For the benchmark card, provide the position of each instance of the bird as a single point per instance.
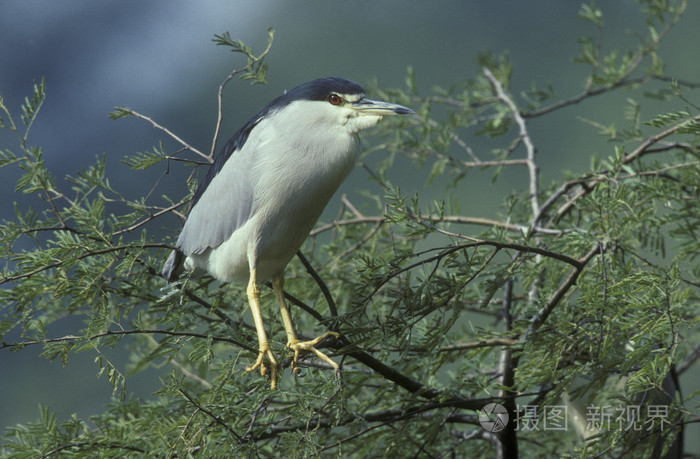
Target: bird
(265, 191)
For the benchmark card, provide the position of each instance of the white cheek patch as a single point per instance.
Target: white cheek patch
(358, 123)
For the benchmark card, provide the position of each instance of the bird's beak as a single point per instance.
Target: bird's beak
(379, 108)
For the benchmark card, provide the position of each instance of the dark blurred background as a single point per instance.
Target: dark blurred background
(157, 58)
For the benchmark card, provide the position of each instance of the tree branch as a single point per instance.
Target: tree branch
(69, 338)
(547, 309)
(168, 132)
(90, 253)
(456, 219)
(216, 418)
(527, 141)
(591, 182)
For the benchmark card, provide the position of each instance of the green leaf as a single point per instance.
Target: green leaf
(120, 112)
(31, 106)
(144, 160)
(592, 14)
(668, 119)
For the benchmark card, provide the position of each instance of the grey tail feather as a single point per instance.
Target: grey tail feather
(173, 266)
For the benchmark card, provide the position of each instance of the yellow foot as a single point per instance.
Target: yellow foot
(265, 351)
(310, 346)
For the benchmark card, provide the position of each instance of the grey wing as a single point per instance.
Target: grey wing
(221, 204)
(224, 206)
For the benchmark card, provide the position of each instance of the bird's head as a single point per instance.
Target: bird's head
(332, 103)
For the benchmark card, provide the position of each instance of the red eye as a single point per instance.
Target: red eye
(334, 99)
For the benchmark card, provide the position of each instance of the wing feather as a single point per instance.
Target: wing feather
(223, 206)
(221, 203)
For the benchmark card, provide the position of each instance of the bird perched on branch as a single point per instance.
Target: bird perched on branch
(265, 191)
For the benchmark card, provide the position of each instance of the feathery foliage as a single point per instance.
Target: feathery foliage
(575, 308)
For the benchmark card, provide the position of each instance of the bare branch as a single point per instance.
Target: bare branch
(169, 133)
(689, 360)
(478, 344)
(547, 309)
(151, 217)
(624, 80)
(90, 253)
(219, 115)
(321, 284)
(182, 433)
(590, 183)
(457, 219)
(216, 418)
(502, 245)
(471, 164)
(587, 93)
(527, 141)
(69, 338)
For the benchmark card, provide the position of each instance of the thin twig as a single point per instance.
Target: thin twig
(527, 141)
(590, 184)
(475, 242)
(623, 80)
(585, 94)
(547, 309)
(321, 284)
(219, 116)
(90, 253)
(689, 360)
(169, 132)
(252, 60)
(216, 418)
(68, 338)
(350, 250)
(248, 435)
(152, 216)
(93, 444)
(491, 342)
(456, 219)
(182, 433)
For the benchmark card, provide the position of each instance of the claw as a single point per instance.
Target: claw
(310, 346)
(293, 342)
(265, 351)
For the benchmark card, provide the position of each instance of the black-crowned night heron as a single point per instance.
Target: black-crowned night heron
(267, 188)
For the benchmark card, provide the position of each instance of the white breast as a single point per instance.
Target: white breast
(293, 177)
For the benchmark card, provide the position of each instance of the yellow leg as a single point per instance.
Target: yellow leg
(292, 342)
(253, 293)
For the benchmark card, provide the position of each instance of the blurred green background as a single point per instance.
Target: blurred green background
(157, 58)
